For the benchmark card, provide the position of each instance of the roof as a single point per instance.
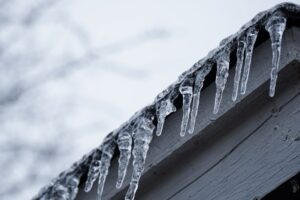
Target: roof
(236, 50)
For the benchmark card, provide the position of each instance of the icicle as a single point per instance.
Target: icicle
(65, 188)
(221, 77)
(44, 192)
(142, 138)
(200, 77)
(108, 149)
(240, 52)
(186, 89)
(73, 182)
(250, 41)
(94, 170)
(275, 26)
(59, 191)
(164, 108)
(124, 144)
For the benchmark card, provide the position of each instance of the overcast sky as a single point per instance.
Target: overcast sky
(95, 63)
(168, 37)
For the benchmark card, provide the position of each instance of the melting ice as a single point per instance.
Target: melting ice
(142, 138)
(186, 89)
(250, 41)
(200, 77)
(108, 149)
(135, 136)
(240, 52)
(221, 77)
(94, 170)
(124, 144)
(164, 108)
(275, 26)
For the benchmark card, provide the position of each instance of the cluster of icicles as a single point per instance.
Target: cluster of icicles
(133, 137)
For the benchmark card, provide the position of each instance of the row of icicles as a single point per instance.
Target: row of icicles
(138, 132)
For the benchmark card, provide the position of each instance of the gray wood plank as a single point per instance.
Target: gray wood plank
(265, 158)
(202, 155)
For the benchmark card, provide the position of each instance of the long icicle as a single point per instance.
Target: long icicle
(164, 108)
(221, 77)
(94, 170)
(200, 77)
(125, 145)
(186, 89)
(142, 138)
(275, 26)
(108, 149)
(250, 41)
(240, 52)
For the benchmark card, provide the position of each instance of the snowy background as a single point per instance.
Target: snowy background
(71, 71)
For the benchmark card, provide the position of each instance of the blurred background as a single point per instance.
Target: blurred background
(71, 71)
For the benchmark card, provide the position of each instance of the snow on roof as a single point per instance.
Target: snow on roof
(134, 136)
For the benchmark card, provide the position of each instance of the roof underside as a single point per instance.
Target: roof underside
(169, 144)
(177, 166)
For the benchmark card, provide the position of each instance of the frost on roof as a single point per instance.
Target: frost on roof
(134, 136)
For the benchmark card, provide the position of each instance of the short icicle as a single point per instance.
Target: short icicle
(108, 149)
(275, 26)
(164, 108)
(94, 169)
(66, 188)
(221, 77)
(142, 138)
(250, 41)
(58, 191)
(73, 182)
(240, 52)
(200, 77)
(186, 89)
(124, 142)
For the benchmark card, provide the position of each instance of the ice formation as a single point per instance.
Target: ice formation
(142, 137)
(186, 89)
(134, 136)
(108, 149)
(125, 145)
(240, 53)
(250, 41)
(221, 77)
(64, 189)
(65, 186)
(164, 108)
(199, 79)
(94, 170)
(275, 26)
